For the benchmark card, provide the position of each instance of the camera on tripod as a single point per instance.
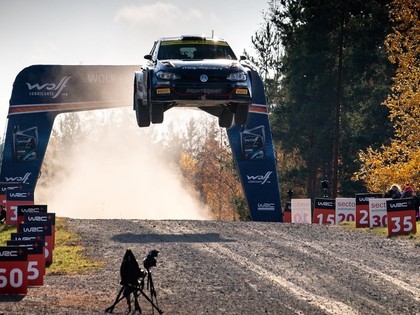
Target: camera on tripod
(150, 260)
(325, 184)
(133, 281)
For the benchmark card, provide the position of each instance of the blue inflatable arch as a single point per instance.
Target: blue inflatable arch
(41, 92)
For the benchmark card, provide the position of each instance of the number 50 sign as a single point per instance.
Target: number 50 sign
(13, 270)
(401, 216)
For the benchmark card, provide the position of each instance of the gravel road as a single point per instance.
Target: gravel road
(212, 267)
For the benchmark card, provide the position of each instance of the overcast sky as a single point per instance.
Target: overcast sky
(110, 31)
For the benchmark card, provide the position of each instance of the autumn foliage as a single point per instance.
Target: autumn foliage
(399, 161)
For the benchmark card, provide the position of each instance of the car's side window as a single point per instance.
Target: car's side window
(153, 50)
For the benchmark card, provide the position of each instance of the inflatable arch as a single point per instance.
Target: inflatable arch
(41, 92)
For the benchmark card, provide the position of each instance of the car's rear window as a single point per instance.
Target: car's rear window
(195, 49)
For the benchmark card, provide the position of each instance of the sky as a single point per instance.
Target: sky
(110, 32)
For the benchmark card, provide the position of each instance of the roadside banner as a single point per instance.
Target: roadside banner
(362, 209)
(287, 212)
(301, 211)
(345, 210)
(15, 198)
(34, 237)
(324, 211)
(14, 270)
(401, 216)
(46, 228)
(377, 212)
(3, 192)
(42, 218)
(36, 260)
(24, 209)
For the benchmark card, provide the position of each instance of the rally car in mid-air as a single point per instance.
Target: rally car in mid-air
(192, 71)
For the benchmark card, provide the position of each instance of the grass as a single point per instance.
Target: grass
(68, 256)
(5, 231)
(383, 231)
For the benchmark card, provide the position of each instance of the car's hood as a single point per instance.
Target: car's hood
(204, 64)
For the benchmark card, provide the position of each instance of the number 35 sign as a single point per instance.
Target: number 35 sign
(401, 216)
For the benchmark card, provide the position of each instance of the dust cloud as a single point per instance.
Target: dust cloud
(121, 174)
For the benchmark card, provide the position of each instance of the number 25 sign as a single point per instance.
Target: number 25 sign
(401, 216)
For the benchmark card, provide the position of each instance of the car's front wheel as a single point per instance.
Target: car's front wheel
(142, 113)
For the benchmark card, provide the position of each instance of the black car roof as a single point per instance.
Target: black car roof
(192, 37)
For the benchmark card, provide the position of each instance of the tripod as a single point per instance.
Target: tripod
(136, 289)
(152, 291)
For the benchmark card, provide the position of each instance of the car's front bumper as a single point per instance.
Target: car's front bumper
(203, 95)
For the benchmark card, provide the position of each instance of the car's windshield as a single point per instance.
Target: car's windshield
(195, 50)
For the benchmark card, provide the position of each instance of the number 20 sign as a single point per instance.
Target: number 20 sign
(401, 216)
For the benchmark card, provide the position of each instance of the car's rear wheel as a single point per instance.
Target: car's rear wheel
(156, 113)
(225, 118)
(241, 114)
(142, 113)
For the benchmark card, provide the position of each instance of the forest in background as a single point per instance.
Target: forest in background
(342, 85)
(342, 82)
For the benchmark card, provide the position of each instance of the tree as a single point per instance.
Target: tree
(269, 52)
(400, 160)
(321, 39)
(210, 168)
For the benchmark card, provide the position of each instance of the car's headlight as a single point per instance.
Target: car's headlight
(167, 75)
(237, 76)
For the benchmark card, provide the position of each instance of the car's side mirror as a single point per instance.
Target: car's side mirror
(242, 58)
(148, 57)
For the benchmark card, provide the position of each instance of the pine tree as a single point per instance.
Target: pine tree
(329, 98)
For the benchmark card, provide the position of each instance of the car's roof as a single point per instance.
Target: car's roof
(192, 37)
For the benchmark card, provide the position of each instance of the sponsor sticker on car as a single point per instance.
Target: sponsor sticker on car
(203, 91)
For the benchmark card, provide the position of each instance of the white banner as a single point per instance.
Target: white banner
(345, 210)
(377, 212)
(301, 211)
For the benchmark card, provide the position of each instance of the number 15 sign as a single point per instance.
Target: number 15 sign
(401, 216)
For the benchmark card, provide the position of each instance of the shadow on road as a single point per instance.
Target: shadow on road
(11, 298)
(170, 238)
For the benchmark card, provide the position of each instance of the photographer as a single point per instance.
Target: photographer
(394, 192)
(408, 192)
